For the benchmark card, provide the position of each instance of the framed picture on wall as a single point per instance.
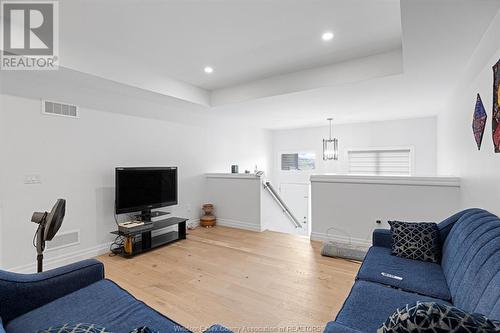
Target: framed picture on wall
(479, 121)
(496, 109)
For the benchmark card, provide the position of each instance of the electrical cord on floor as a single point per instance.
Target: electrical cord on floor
(117, 246)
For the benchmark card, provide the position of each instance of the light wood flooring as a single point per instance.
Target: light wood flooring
(238, 278)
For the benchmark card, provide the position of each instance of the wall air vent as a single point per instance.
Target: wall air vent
(59, 109)
(64, 239)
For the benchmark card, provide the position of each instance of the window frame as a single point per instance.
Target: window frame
(298, 151)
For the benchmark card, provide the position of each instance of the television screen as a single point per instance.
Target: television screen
(141, 189)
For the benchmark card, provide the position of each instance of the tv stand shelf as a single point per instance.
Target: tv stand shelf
(147, 242)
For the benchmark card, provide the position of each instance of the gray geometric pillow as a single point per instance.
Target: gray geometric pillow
(417, 241)
(429, 317)
(89, 328)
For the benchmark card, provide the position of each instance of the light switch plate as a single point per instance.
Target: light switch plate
(32, 178)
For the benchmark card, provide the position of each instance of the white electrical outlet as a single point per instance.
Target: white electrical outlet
(33, 178)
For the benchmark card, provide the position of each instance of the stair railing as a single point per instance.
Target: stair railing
(282, 204)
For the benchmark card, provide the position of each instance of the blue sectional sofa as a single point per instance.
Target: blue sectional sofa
(468, 276)
(76, 293)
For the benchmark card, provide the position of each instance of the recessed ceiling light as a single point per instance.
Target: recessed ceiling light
(208, 70)
(326, 36)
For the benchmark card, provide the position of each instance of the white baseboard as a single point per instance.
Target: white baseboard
(193, 223)
(320, 236)
(50, 263)
(74, 256)
(238, 224)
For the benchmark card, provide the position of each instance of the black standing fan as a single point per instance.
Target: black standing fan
(48, 225)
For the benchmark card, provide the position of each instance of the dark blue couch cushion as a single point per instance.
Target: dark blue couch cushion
(370, 304)
(420, 277)
(471, 263)
(102, 303)
(382, 238)
(21, 293)
(334, 327)
(446, 225)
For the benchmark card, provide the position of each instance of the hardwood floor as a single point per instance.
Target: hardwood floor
(238, 278)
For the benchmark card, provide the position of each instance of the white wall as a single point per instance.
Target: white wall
(457, 150)
(241, 201)
(419, 133)
(76, 160)
(236, 200)
(352, 204)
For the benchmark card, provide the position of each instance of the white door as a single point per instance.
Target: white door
(296, 197)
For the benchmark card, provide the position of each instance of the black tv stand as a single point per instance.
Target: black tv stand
(147, 215)
(133, 245)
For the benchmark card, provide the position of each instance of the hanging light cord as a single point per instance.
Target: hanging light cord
(330, 120)
(330, 128)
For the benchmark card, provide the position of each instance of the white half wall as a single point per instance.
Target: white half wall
(241, 201)
(236, 199)
(75, 159)
(457, 150)
(351, 205)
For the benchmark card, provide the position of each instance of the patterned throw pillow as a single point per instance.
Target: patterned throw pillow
(429, 317)
(144, 329)
(417, 241)
(77, 328)
(89, 328)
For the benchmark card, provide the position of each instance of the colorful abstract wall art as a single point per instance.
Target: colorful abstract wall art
(479, 121)
(496, 108)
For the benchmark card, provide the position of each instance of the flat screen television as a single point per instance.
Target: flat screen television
(143, 189)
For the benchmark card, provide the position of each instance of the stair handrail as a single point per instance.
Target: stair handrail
(284, 207)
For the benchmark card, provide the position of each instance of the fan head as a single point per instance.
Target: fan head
(54, 219)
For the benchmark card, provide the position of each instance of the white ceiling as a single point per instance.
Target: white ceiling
(243, 40)
(439, 38)
(259, 49)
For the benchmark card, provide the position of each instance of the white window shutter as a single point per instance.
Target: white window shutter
(390, 162)
(289, 161)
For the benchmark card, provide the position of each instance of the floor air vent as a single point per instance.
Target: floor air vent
(64, 239)
(59, 109)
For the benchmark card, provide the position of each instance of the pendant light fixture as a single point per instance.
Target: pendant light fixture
(330, 146)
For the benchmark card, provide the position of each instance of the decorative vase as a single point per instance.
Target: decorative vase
(208, 220)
